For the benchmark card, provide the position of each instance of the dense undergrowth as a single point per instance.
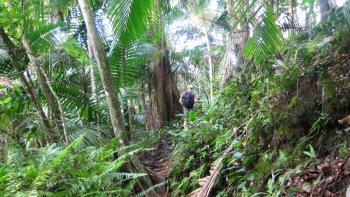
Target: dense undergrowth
(281, 118)
(79, 169)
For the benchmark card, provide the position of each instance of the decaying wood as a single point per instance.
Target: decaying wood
(345, 120)
(207, 183)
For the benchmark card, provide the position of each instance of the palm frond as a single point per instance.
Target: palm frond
(43, 37)
(60, 6)
(244, 10)
(129, 18)
(92, 136)
(207, 183)
(266, 40)
(76, 101)
(72, 47)
(126, 62)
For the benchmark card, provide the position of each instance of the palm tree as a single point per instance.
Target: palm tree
(107, 80)
(106, 75)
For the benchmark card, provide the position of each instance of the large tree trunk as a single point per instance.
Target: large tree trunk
(166, 93)
(226, 63)
(325, 6)
(242, 41)
(11, 49)
(106, 76)
(235, 44)
(48, 91)
(210, 63)
(111, 95)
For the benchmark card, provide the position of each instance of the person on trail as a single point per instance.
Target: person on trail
(187, 100)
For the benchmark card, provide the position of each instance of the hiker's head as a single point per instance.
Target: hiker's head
(190, 88)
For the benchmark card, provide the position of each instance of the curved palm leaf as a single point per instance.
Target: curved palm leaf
(126, 62)
(266, 40)
(129, 18)
(43, 38)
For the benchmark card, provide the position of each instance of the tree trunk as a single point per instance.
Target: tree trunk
(11, 49)
(210, 63)
(235, 45)
(126, 115)
(144, 108)
(226, 64)
(166, 93)
(242, 41)
(92, 74)
(48, 91)
(324, 6)
(310, 17)
(106, 76)
(292, 14)
(111, 95)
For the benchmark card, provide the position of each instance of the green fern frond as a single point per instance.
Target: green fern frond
(47, 168)
(153, 188)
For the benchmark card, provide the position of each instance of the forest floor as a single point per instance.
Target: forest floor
(158, 162)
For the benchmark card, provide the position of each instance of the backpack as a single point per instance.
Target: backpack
(188, 100)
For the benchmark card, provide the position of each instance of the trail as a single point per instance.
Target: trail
(157, 162)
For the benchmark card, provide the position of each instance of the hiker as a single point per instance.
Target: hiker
(187, 100)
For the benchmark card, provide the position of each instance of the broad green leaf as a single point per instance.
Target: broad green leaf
(6, 100)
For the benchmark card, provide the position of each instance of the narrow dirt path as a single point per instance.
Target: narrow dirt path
(157, 162)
